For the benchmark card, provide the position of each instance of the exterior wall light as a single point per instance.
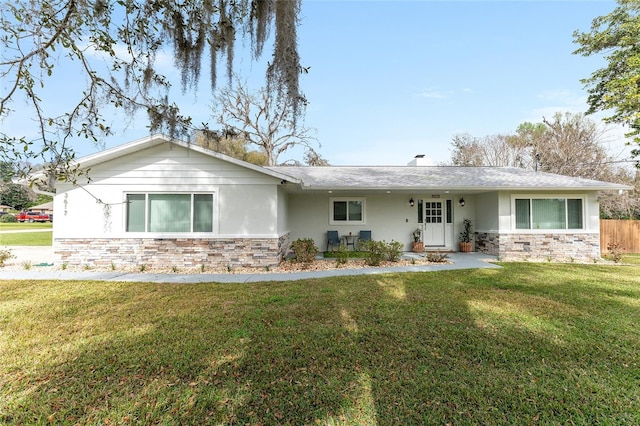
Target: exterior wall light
(461, 202)
(411, 202)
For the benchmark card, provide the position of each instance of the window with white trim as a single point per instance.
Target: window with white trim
(346, 210)
(549, 213)
(169, 212)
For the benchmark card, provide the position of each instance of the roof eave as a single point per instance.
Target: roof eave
(465, 188)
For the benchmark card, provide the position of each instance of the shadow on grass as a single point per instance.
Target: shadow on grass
(492, 346)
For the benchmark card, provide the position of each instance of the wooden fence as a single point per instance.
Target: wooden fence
(625, 232)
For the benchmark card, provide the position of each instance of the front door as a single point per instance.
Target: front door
(434, 223)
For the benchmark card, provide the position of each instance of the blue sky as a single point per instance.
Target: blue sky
(392, 79)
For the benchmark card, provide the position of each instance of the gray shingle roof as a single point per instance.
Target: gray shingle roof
(437, 178)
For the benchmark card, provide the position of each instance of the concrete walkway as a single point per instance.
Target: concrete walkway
(457, 261)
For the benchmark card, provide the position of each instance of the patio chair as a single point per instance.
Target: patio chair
(364, 236)
(332, 239)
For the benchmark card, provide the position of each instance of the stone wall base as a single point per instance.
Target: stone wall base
(170, 252)
(557, 247)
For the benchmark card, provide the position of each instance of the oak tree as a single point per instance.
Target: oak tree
(112, 47)
(615, 88)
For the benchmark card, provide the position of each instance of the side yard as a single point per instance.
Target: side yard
(625, 233)
(525, 344)
(26, 234)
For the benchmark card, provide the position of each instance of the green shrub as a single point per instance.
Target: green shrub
(341, 255)
(393, 251)
(437, 257)
(305, 250)
(8, 218)
(376, 252)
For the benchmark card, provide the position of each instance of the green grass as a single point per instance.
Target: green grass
(25, 226)
(27, 239)
(350, 254)
(633, 259)
(526, 344)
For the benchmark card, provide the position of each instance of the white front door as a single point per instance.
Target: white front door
(434, 215)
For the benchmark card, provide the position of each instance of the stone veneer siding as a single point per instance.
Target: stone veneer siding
(169, 252)
(558, 247)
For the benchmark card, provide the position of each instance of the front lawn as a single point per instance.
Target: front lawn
(13, 238)
(44, 238)
(526, 344)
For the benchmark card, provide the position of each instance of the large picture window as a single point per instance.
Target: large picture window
(549, 213)
(169, 213)
(346, 211)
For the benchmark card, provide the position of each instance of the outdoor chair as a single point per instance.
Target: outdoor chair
(332, 239)
(364, 236)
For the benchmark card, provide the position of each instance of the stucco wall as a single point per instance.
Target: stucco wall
(246, 201)
(388, 216)
(282, 211)
(90, 217)
(486, 208)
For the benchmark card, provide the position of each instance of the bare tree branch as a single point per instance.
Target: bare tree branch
(265, 120)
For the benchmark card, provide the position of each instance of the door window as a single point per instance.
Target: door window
(433, 212)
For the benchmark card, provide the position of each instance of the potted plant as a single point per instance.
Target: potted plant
(466, 235)
(417, 246)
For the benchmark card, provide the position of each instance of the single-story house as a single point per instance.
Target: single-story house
(42, 208)
(163, 202)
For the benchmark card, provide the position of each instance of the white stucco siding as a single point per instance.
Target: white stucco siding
(387, 216)
(486, 212)
(78, 214)
(245, 201)
(282, 211)
(592, 212)
(171, 166)
(248, 210)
